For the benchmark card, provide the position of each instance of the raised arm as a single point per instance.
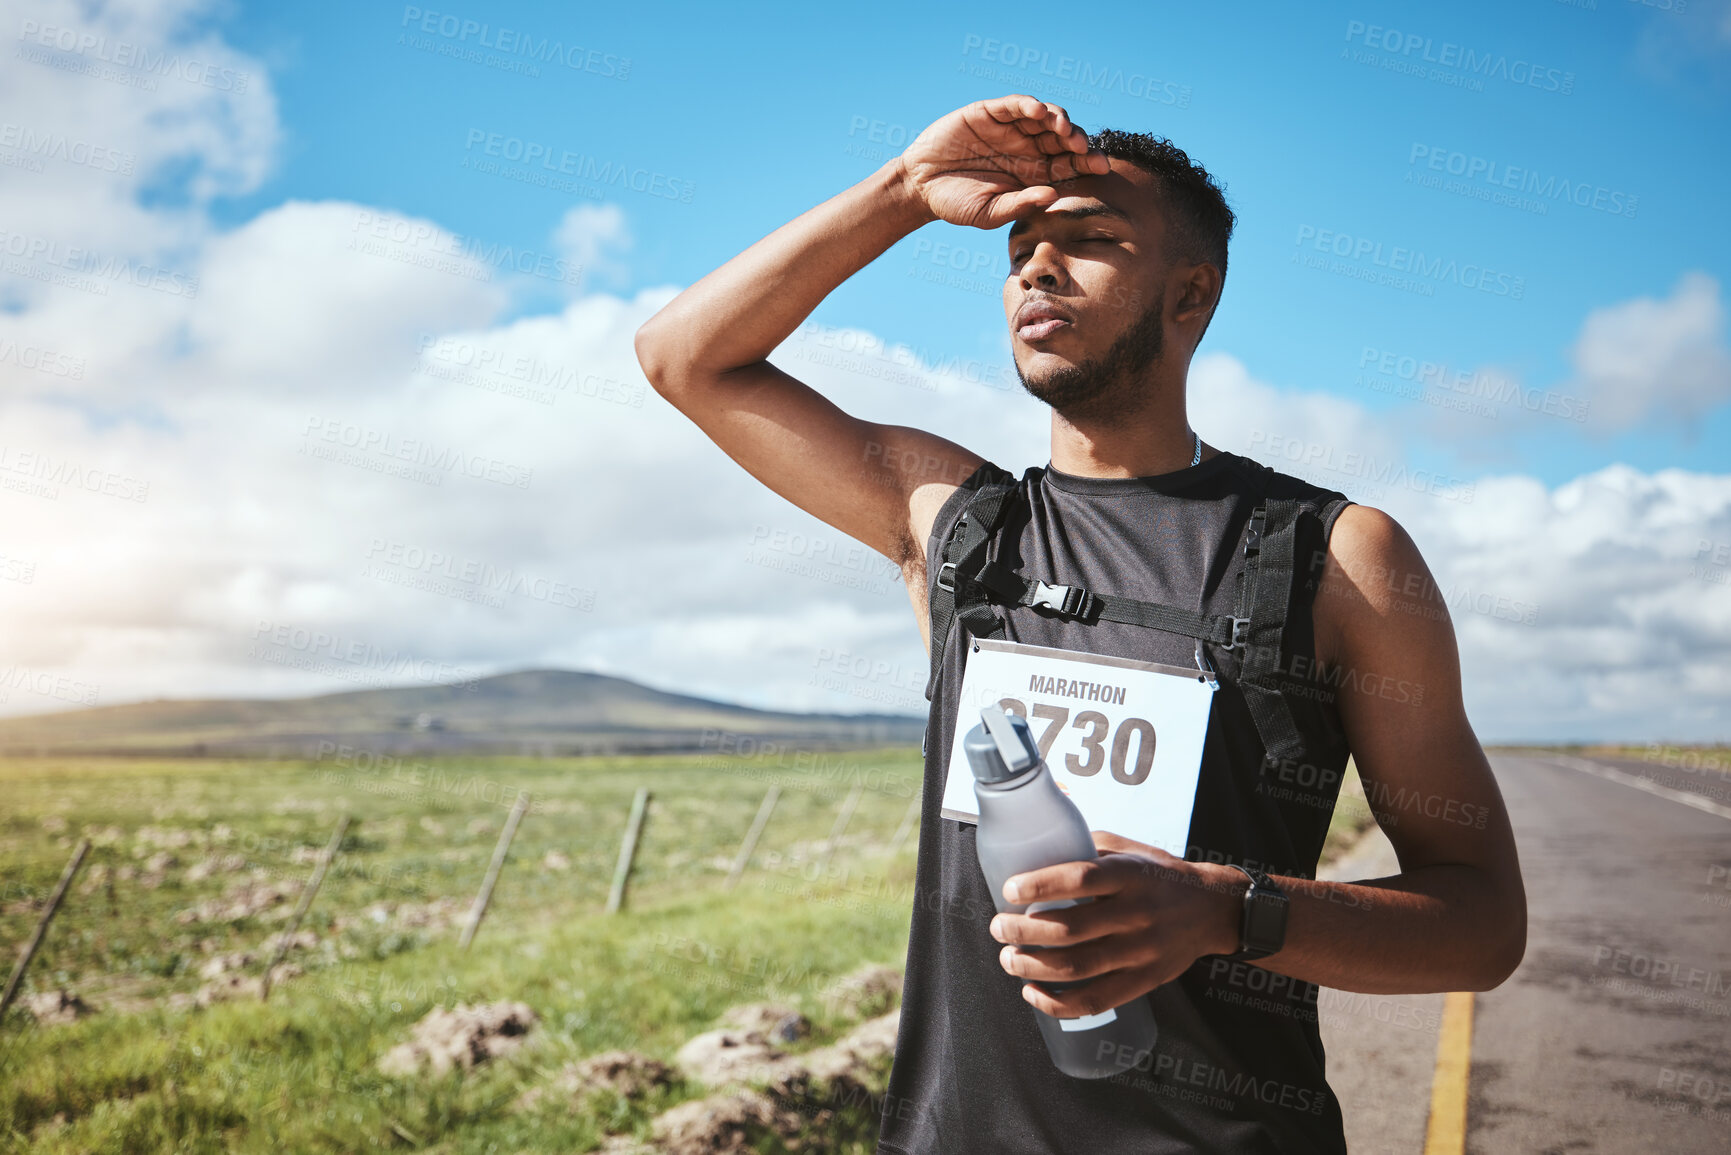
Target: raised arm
(706, 351)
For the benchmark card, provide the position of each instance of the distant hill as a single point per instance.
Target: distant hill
(530, 712)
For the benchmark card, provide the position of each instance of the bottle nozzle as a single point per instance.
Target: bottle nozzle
(1001, 747)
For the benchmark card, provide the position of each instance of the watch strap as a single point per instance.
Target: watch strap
(1260, 887)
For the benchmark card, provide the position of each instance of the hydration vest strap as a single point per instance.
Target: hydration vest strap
(1270, 547)
(967, 580)
(956, 592)
(1222, 630)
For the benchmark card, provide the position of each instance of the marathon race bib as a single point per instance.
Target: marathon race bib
(1122, 738)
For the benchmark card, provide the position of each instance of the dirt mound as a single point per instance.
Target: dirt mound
(732, 1056)
(248, 897)
(777, 1023)
(226, 986)
(462, 1037)
(869, 990)
(57, 1007)
(727, 1055)
(727, 1124)
(792, 1094)
(847, 1066)
(221, 964)
(624, 1072)
(434, 915)
(214, 865)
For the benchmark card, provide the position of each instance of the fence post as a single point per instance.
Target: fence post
(308, 893)
(907, 823)
(841, 821)
(499, 852)
(627, 850)
(17, 978)
(750, 843)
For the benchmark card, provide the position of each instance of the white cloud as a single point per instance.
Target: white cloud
(1594, 608)
(1323, 438)
(264, 422)
(320, 298)
(595, 237)
(1655, 358)
(105, 101)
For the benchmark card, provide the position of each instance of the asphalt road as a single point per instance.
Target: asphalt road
(1614, 1035)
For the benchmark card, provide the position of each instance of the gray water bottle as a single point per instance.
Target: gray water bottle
(1026, 822)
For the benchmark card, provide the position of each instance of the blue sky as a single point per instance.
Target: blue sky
(759, 114)
(203, 478)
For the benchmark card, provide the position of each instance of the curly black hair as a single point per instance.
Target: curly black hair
(1195, 204)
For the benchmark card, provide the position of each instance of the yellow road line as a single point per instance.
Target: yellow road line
(1447, 1132)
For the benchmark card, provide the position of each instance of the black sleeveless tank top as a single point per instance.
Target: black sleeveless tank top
(1238, 1066)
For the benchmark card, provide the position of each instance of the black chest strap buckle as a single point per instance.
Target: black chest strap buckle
(1071, 601)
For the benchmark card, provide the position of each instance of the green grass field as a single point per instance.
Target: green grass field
(180, 848)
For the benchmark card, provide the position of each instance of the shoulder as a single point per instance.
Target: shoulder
(940, 508)
(1375, 589)
(1269, 483)
(1318, 508)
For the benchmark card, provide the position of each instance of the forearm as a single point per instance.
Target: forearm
(1445, 927)
(739, 313)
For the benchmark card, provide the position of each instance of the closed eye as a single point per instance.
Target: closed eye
(1021, 255)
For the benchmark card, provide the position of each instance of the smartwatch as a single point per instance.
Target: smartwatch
(1263, 930)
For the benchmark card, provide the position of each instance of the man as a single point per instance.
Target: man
(1117, 259)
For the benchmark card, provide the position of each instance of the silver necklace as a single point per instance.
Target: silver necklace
(1196, 458)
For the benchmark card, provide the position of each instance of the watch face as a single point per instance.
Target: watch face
(1265, 922)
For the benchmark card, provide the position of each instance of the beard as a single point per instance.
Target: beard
(1109, 381)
